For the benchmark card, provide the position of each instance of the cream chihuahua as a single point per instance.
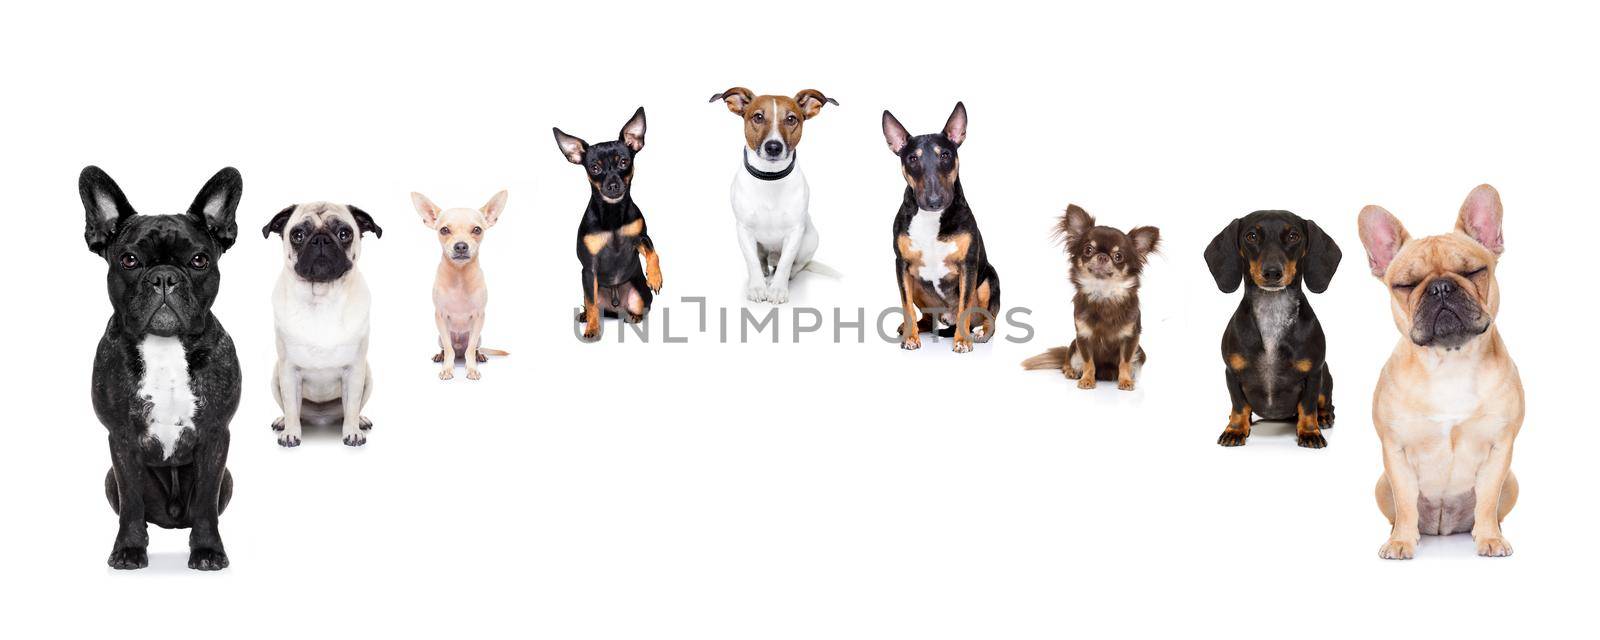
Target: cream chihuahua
(459, 291)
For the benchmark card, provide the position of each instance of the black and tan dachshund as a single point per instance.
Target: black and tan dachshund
(1274, 349)
(940, 262)
(612, 236)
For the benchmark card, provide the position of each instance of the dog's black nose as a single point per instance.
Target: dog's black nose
(461, 247)
(773, 147)
(1272, 274)
(162, 280)
(1440, 287)
(320, 239)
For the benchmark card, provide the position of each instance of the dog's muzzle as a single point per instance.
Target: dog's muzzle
(322, 259)
(1447, 316)
(161, 294)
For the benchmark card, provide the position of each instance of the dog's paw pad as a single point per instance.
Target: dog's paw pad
(365, 423)
(1493, 547)
(1232, 438)
(277, 425)
(208, 559)
(1310, 440)
(289, 440)
(355, 439)
(130, 558)
(1397, 550)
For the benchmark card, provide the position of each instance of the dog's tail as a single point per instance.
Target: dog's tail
(822, 270)
(493, 352)
(1052, 359)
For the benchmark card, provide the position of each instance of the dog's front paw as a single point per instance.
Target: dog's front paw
(1086, 382)
(1398, 550)
(652, 279)
(1492, 546)
(128, 558)
(962, 345)
(1310, 440)
(1232, 437)
(277, 425)
(447, 374)
(438, 357)
(778, 293)
(1325, 417)
(756, 290)
(1125, 384)
(980, 334)
(289, 438)
(911, 343)
(208, 559)
(354, 437)
(472, 374)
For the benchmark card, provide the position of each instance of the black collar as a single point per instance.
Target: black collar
(770, 175)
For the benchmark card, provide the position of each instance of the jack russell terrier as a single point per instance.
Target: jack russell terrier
(770, 194)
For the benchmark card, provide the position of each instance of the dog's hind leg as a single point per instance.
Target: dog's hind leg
(636, 299)
(363, 422)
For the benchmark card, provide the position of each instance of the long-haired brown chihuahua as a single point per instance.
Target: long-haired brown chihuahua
(1104, 265)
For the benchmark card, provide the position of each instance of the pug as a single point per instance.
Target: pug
(1449, 402)
(321, 308)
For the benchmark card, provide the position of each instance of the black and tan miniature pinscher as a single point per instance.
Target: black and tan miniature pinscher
(1105, 266)
(940, 263)
(612, 236)
(1274, 349)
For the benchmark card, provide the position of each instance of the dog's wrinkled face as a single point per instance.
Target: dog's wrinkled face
(1103, 252)
(460, 230)
(929, 162)
(609, 164)
(1274, 249)
(772, 124)
(321, 240)
(1442, 287)
(163, 275)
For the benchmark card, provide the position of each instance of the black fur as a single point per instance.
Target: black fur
(162, 279)
(1269, 250)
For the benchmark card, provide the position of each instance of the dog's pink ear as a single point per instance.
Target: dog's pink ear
(956, 127)
(737, 98)
(632, 133)
(1145, 240)
(425, 208)
(1074, 223)
(894, 133)
(1382, 235)
(1480, 218)
(492, 210)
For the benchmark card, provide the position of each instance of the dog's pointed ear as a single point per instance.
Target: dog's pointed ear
(495, 206)
(1146, 240)
(895, 133)
(1322, 258)
(426, 209)
(364, 221)
(278, 221)
(1480, 218)
(811, 101)
(104, 207)
(1222, 257)
(572, 147)
(632, 134)
(737, 98)
(1074, 223)
(955, 128)
(216, 203)
(1382, 236)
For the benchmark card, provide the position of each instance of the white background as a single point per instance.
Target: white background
(798, 490)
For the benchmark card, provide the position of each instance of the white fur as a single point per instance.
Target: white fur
(773, 217)
(1274, 313)
(924, 234)
(1100, 289)
(166, 387)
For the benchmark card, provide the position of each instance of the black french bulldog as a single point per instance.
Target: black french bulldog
(166, 378)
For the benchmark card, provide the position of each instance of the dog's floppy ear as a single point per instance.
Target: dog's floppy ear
(1382, 236)
(737, 98)
(364, 221)
(956, 127)
(633, 133)
(571, 147)
(1146, 240)
(1322, 258)
(495, 206)
(104, 207)
(216, 203)
(1074, 223)
(811, 101)
(425, 208)
(278, 221)
(895, 133)
(1480, 218)
(1222, 257)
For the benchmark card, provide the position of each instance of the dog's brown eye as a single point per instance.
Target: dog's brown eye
(344, 235)
(444, 231)
(297, 236)
(595, 168)
(758, 118)
(1292, 237)
(944, 154)
(791, 119)
(129, 261)
(1117, 257)
(477, 231)
(1088, 251)
(1250, 237)
(200, 261)
(622, 163)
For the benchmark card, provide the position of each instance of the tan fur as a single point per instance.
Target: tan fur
(763, 114)
(1446, 419)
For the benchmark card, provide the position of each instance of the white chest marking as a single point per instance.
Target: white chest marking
(924, 233)
(166, 387)
(1452, 395)
(1098, 289)
(1274, 312)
